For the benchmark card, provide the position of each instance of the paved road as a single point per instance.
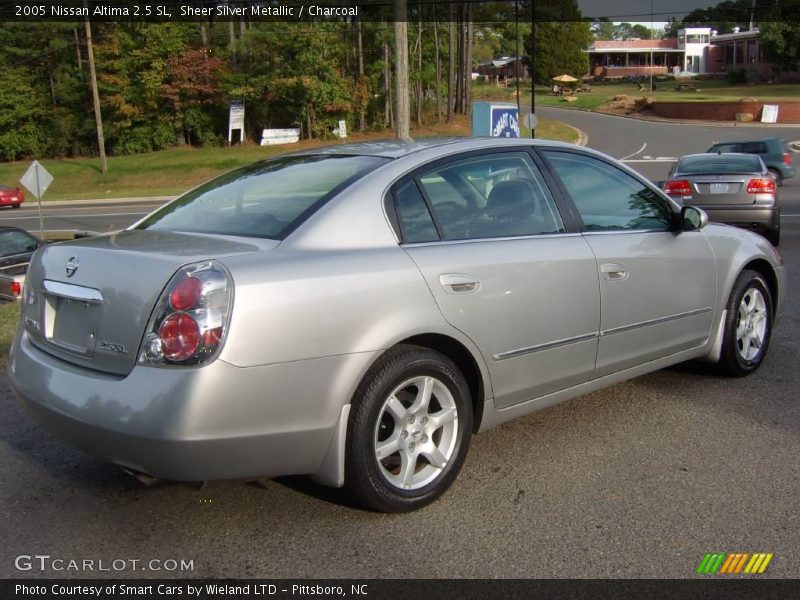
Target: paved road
(639, 480)
(97, 216)
(651, 147)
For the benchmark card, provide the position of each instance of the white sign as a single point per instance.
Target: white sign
(271, 137)
(341, 130)
(236, 118)
(36, 179)
(531, 121)
(770, 113)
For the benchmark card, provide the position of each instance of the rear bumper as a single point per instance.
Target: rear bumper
(749, 217)
(786, 171)
(195, 424)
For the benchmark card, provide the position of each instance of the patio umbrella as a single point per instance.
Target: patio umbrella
(565, 79)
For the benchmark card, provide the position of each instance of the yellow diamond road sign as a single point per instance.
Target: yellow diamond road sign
(36, 179)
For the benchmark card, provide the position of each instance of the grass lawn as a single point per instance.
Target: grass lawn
(173, 171)
(9, 317)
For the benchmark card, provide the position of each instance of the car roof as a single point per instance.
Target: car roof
(399, 148)
(730, 142)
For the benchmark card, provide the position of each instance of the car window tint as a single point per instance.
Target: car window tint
(416, 223)
(502, 195)
(606, 197)
(16, 242)
(266, 199)
(754, 147)
(718, 163)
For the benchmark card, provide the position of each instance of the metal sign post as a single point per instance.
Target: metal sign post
(36, 180)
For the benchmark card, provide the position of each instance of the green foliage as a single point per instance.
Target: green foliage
(780, 42)
(560, 48)
(737, 77)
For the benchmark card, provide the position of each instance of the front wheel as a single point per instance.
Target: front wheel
(748, 325)
(409, 430)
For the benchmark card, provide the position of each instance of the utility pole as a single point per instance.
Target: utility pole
(101, 143)
(401, 56)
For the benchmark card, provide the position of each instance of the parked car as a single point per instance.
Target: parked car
(11, 196)
(356, 313)
(773, 151)
(16, 248)
(732, 188)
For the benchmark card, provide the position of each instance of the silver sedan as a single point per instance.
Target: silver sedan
(356, 313)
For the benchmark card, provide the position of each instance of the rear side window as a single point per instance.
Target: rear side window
(606, 197)
(501, 195)
(754, 148)
(416, 223)
(267, 199)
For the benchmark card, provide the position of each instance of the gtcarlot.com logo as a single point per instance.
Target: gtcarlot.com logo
(733, 563)
(45, 562)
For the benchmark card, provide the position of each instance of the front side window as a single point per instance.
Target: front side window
(502, 195)
(607, 198)
(267, 199)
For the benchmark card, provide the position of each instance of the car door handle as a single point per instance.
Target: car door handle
(456, 283)
(613, 272)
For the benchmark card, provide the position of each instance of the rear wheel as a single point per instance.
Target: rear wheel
(748, 325)
(15, 206)
(777, 175)
(409, 430)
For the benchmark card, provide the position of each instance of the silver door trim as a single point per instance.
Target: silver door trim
(546, 346)
(658, 321)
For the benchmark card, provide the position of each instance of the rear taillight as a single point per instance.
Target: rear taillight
(16, 289)
(191, 317)
(787, 158)
(681, 187)
(761, 186)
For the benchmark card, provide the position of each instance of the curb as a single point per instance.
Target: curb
(696, 122)
(583, 137)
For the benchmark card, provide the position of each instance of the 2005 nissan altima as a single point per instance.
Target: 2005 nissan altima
(355, 313)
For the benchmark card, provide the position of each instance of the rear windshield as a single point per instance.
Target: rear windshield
(16, 242)
(719, 163)
(267, 199)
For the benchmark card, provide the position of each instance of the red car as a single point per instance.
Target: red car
(12, 196)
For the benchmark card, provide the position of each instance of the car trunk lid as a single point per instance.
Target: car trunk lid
(89, 301)
(727, 189)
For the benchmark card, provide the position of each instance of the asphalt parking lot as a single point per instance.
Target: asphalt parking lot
(638, 480)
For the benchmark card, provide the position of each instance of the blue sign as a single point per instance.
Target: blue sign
(505, 123)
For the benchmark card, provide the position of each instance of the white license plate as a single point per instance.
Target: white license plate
(719, 188)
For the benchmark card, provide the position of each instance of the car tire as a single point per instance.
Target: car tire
(409, 430)
(748, 325)
(15, 206)
(778, 177)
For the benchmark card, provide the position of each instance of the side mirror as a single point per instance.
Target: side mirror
(693, 218)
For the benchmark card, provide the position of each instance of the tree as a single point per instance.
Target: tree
(641, 32)
(603, 29)
(780, 42)
(561, 40)
(623, 31)
(401, 68)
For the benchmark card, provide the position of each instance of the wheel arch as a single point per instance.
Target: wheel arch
(763, 268)
(466, 363)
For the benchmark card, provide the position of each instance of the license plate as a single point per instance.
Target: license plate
(719, 188)
(73, 324)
